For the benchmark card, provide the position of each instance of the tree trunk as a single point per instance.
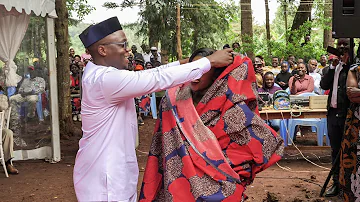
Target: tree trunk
(247, 27)
(303, 14)
(268, 37)
(63, 69)
(328, 40)
(195, 39)
(151, 30)
(286, 22)
(178, 32)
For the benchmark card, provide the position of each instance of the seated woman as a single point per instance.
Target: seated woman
(282, 79)
(210, 141)
(269, 82)
(271, 89)
(301, 82)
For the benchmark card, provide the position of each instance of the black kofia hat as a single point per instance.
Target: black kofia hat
(95, 33)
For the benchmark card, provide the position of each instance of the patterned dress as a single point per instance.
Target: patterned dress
(211, 152)
(349, 152)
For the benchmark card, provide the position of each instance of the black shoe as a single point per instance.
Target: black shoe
(333, 191)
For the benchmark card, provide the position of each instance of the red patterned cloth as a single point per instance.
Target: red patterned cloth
(211, 152)
(144, 103)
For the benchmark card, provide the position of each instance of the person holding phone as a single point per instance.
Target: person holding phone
(335, 80)
(301, 82)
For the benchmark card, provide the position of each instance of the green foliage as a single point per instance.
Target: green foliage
(79, 7)
(280, 49)
(207, 23)
(204, 23)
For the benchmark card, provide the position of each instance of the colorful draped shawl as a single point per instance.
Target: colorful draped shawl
(211, 152)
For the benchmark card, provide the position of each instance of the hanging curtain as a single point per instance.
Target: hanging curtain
(13, 26)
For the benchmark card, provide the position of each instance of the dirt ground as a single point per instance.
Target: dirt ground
(297, 180)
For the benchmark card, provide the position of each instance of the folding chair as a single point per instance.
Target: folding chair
(1, 145)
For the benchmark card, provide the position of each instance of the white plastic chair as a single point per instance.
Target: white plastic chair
(2, 114)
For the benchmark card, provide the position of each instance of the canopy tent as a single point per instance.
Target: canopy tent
(14, 21)
(38, 7)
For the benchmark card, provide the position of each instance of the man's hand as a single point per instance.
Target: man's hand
(352, 92)
(281, 83)
(184, 61)
(221, 58)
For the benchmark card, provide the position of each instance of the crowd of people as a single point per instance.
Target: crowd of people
(331, 75)
(295, 76)
(150, 58)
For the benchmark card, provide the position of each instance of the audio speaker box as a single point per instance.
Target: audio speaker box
(346, 17)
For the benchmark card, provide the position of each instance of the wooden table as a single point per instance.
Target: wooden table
(268, 114)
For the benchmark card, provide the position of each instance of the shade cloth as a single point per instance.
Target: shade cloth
(38, 7)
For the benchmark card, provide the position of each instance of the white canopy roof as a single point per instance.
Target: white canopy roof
(39, 7)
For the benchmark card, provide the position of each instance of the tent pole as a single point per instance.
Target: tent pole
(51, 56)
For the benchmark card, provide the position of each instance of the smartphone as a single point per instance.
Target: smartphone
(295, 71)
(333, 51)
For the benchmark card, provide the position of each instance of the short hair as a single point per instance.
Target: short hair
(268, 73)
(274, 57)
(77, 56)
(301, 63)
(226, 46)
(203, 52)
(149, 63)
(259, 56)
(235, 43)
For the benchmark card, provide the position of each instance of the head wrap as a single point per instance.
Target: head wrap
(138, 68)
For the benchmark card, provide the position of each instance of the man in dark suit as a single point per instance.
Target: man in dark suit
(334, 79)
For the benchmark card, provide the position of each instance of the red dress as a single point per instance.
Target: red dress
(75, 101)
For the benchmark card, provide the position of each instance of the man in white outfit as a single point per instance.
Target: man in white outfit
(106, 167)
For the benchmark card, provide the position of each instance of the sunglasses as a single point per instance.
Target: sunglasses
(124, 44)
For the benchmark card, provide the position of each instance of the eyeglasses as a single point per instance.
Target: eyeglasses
(124, 44)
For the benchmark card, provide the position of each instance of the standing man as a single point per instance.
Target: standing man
(312, 65)
(259, 72)
(335, 80)
(146, 53)
(134, 51)
(106, 167)
(275, 68)
(155, 55)
(322, 65)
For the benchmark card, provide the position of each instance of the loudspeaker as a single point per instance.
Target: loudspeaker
(346, 17)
